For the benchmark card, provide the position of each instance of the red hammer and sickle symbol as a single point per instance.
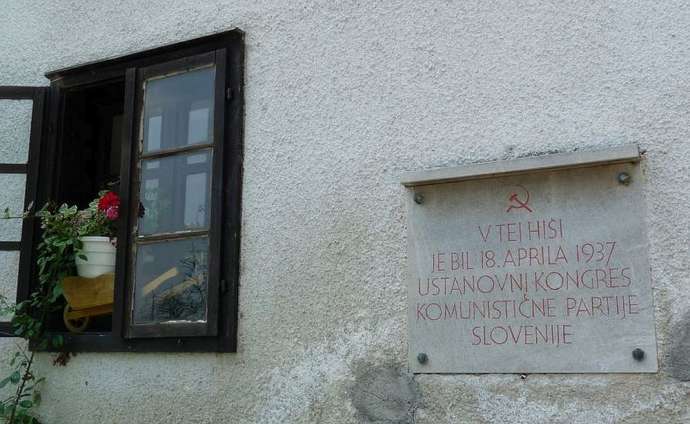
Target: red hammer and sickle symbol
(516, 202)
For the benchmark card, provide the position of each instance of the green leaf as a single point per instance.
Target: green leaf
(57, 292)
(26, 404)
(15, 377)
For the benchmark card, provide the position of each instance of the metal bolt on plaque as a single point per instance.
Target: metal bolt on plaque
(624, 178)
(638, 354)
(422, 358)
(418, 198)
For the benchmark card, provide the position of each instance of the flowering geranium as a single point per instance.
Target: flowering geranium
(109, 204)
(100, 217)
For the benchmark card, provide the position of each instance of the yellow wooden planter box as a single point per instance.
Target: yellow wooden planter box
(86, 298)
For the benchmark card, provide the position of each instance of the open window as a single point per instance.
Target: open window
(164, 129)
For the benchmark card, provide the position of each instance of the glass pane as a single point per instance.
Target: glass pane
(15, 128)
(171, 281)
(175, 193)
(178, 110)
(198, 126)
(154, 127)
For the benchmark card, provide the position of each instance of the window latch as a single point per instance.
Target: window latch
(223, 286)
(228, 93)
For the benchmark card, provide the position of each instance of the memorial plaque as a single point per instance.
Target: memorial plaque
(531, 272)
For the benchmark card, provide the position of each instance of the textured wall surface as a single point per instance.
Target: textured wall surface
(15, 126)
(341, 97)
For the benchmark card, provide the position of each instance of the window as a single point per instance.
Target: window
(165, 127)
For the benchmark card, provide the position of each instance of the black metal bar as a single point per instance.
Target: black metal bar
(10, 246)
(13, 168)
(17, 93)
(6, 329)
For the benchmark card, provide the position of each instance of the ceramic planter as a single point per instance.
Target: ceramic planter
(100, 257)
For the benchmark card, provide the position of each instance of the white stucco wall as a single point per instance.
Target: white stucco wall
(341, 97)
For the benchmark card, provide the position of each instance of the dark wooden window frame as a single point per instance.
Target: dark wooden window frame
(227, 247)
(217, 59)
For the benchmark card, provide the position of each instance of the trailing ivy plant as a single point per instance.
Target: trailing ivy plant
(55, 260)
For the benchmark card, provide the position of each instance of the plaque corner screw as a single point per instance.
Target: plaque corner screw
(624, 178)
(638, 354)
(418, 198)
(422, 358)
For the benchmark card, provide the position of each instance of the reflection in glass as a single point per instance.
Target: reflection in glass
(154, 127)
(175, 193)
(195, 204)
(171, 281)
(198, 126)
(178, 110)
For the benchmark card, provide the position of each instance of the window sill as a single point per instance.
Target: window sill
(105, 342)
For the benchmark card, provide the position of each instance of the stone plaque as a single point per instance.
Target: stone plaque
(531, 273)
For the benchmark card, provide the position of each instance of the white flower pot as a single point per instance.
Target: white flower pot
(100, 256)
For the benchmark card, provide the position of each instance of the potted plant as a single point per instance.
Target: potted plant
(95, 227)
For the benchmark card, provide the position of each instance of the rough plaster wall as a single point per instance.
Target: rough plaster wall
(340, 98)
(15, 126)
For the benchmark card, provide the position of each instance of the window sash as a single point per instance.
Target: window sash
(214, 230)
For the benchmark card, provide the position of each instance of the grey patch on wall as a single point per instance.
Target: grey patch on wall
(679, 359)
(385, 394)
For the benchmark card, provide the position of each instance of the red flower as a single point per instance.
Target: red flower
(109, 204)
(112, 213)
